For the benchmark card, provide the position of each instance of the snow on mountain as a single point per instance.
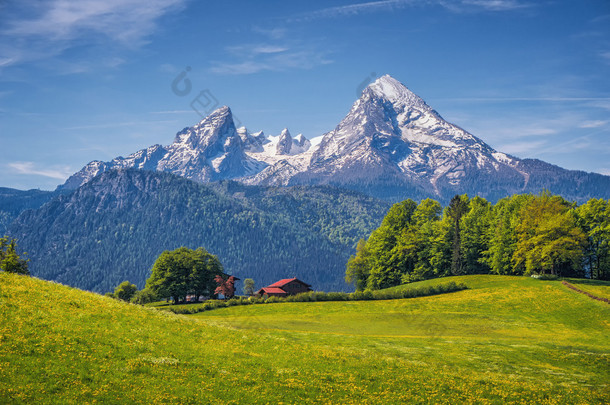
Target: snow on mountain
(211, 150)
(391, 145)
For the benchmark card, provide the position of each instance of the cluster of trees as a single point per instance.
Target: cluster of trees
(184, 271)
(10, 261)
(519, 235)
(178, 273)
(114, 227)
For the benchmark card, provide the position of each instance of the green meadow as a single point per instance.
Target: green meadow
(503, 340)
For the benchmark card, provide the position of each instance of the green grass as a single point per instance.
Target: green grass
(313, 296)
(596, 287)
(504, 340)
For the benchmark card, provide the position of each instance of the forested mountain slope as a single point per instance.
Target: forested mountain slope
(113, 228)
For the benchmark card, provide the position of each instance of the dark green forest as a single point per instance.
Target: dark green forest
(113, 228)
(520, 235)
(13, 202)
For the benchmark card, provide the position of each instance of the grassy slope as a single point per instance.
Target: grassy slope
(598, 288)
(507, 339)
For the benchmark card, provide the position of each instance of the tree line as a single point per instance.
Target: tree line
(520, 235)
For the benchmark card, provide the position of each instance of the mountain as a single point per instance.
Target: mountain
(113, 227)
(210, 151)
(13, 202)
(391, 145)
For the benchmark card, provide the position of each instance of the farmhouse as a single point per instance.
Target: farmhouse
(285, 287)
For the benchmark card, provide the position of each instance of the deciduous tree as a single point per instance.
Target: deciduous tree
(548, 237)
(125, 291)
(226, 287)
(248, 287)
(184, 271)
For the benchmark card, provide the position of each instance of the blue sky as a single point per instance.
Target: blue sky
(88, 79)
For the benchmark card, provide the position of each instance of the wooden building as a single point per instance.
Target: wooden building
(285, 287)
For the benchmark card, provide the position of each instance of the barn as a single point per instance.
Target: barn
(284, 288)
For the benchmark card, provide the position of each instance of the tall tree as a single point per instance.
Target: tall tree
(425, 222)
(389, 261)
(475, 237)
(184, 271)
(594, 220)
(248, 287)
(548, 237)
(10, 261)
(359, 266)
(457, 208)
(502, 236)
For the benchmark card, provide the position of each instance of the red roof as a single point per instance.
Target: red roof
(285, 281)
(273, 290)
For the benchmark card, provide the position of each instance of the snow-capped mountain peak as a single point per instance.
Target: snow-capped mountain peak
(391, 144)
(390, 89)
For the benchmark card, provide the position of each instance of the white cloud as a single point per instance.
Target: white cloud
(122, 20)
(457, 6)
(30, 168)
(593, 124)
(58, 25)
(496, 5)
(284, 58)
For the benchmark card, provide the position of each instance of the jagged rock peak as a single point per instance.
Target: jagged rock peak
(284, 144)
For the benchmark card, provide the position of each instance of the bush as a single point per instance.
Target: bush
(144, 296)
(313, 296)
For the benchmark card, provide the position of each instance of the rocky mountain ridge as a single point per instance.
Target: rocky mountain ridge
(390, 145)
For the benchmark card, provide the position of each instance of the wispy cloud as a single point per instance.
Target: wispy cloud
(605, 55)
(117, 124)
(457, 6)
(521, 148)
(355, 9)
(57, 25)
(254, 58)
(494, 5)
(30, 168)
(593, 124)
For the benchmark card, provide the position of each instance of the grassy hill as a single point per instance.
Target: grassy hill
(504, 340)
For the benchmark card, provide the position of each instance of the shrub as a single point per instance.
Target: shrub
(272, 300)
(322, 296)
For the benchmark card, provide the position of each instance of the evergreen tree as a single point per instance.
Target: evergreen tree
(457, 208)
(10, 261)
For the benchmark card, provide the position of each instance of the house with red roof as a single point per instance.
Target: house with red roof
(284, 288)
